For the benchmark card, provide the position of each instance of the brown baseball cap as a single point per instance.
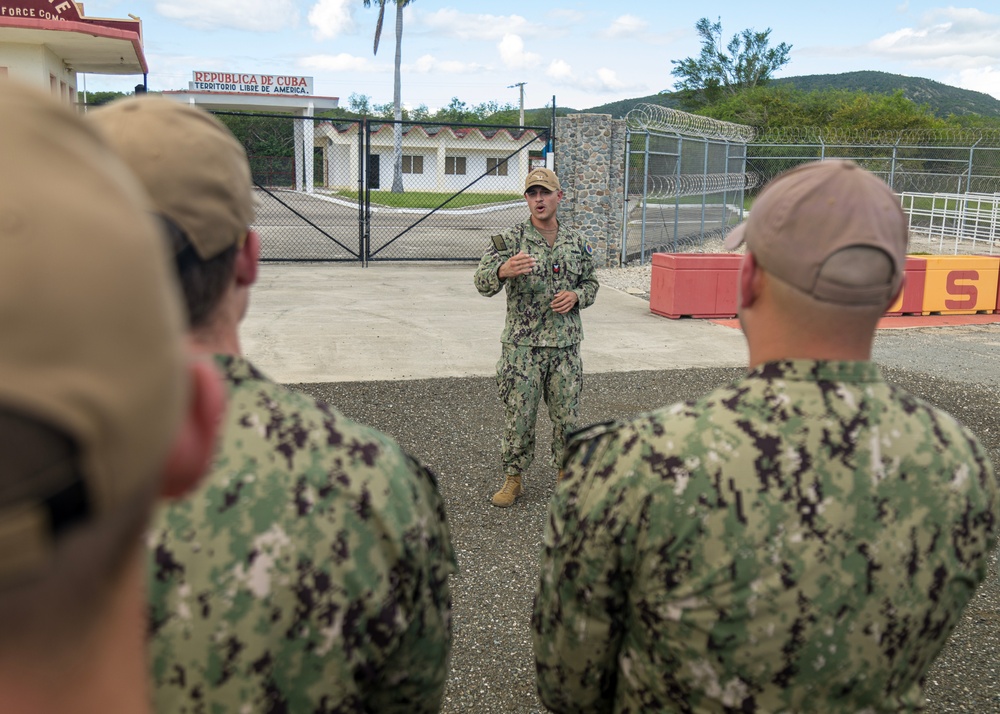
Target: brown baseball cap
(194, 169)
(546, 178)
(807, 221)
(92, 343)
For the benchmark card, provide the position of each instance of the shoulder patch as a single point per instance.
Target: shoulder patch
(589, 247)
(499, 243)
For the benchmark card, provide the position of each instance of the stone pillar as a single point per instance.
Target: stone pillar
(590, 162)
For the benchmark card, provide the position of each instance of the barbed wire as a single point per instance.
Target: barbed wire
(911, 138)
(652, 117)
(671, 185)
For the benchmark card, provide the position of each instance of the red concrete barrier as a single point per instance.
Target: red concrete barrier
(707, 285)
(911, 301)
(694, 285)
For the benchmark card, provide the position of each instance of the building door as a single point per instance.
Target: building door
(373, 165)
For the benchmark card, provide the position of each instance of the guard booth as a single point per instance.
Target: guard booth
(265, 93)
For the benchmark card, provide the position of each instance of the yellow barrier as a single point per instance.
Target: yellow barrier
(960, 284)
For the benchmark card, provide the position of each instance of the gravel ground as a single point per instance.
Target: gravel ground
(453, 426)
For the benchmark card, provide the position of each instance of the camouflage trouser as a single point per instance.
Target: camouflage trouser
(526, 374)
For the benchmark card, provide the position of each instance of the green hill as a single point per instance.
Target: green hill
(942, 99)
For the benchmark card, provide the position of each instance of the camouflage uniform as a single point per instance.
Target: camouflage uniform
(309, 573)
(541, 348)
(801, 541)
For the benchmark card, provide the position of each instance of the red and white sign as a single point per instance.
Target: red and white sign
(244, 83)
(61, 10)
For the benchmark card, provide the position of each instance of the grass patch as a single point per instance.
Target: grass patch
(432, 199)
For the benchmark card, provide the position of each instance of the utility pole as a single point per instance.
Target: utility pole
(521, 86)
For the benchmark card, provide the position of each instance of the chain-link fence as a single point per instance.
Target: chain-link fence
(906, 166)
(439, 191)
(691, 178)
(685, 179)
(361, 190)
(949, 191)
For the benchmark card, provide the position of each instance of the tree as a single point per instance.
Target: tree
(360, 103)
(397, 133)
(96, 99)
(746, 62)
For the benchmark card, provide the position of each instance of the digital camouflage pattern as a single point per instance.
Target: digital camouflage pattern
(525, 375)
(530, 320)
(803, 540)
(309, 573)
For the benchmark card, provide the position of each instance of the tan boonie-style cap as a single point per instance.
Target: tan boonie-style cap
(801, 226)
(546, 178)
(194, 169)
(92, 329)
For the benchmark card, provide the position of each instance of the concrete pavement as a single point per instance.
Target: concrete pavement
(398, 321)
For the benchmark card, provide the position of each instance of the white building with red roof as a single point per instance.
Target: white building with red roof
(50, 43)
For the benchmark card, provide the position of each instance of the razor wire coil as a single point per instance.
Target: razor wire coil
(652, 117)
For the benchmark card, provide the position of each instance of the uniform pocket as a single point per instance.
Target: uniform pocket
(572, 270)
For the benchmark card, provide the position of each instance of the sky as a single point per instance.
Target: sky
(583, 52)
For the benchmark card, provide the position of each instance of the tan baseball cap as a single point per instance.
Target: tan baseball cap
(92, 344)
(805, 221)
(195, 170)
(546, 178)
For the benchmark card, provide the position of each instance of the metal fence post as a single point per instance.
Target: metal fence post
(645, 193)
(968, 183)
(704, 186)
(367, 237)
(362, 182)
(677, 190)
(892, 166)
(628, 157)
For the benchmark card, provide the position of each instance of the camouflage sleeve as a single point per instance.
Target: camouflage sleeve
(587, 288)
(580, 608)
(413, 675)
(488, 283)
(310, 567)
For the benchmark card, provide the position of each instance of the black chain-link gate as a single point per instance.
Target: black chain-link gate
(376, 190)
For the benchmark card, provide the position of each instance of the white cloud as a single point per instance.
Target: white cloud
(956, 38)
(625, 26)
(467, 26)
(331, 18)
(251, 15)
(427, 64)
(513, 54)
(559, 70)
(565, 17)
(981, 79)
(604, 80)
(342, 63)
(609, 80)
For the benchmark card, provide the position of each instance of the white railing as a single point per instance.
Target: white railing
(955, 218)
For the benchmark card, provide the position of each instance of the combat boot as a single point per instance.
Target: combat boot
(509, 493)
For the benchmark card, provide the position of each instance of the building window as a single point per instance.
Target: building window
(496, 167)
(454, 165)
(413, 164)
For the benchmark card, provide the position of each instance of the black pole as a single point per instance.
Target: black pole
(552, 131)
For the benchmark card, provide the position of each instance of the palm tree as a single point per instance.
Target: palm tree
(397, 106)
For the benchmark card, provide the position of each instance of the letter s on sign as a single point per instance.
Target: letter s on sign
(968, 291)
